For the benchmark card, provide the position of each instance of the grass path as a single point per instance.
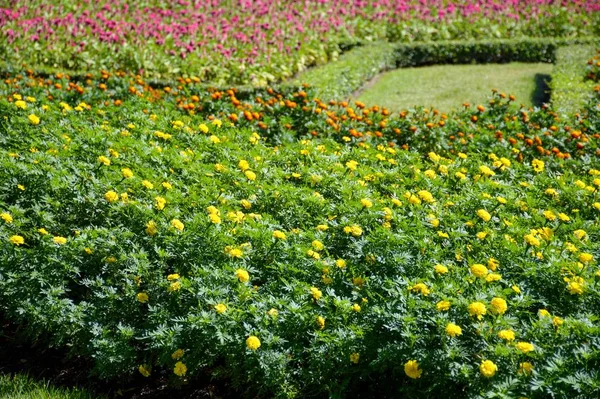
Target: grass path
(22, 387)
(446, 87)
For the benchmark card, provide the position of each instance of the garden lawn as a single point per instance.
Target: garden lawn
(23, 387)
(447, 87)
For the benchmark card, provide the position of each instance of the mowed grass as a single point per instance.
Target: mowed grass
(23, 387)
(447, 87)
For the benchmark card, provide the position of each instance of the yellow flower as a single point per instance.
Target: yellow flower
(575, 288)
(525, 368)
(242, 275)
(440, 269)
(151, 228)
(43, 231)
(493, 264)
(557, 321)
(442, 306)
(253, 343)
(59, 240)
(507, 335)
(524, 347)
(352, 165)
(177, 224)
(243, 165)
(488, 368)
(16, 240)
(564, 217)
(354, 358)
(6, 217)
(581, 235)
(21, 104)
(426, 196)
(483, 214)
(142, 297)
(280, 235)
(104, 160)
(317, 245)
(320, 322)
(486, 171)
(453, 330)
(203, 128)
(420, 288)
(477, 309)
(479, 270)
(498, 306)
(532, 240)
(235, 253)
(127, 173)
(411, 368)
(585, 257)
(543, 313)
(173, 276)
(356, 307)
(111, 196)
(144, 370)
(341, 263)
(175, 286)
(147, 184)
(160, 203)
(214, 218)
(538, 165)
(493, 277)
(316, 293)
(250, 175)
(178, 354)
(366, 203)
(34, 119)
(180, 369)
(220, 308)
(322, 227)
(549, 215)
(217, 123)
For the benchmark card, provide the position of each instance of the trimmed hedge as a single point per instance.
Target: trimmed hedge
(570, 90)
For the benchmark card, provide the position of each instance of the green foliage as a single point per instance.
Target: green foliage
(107, 243)
(570, 90)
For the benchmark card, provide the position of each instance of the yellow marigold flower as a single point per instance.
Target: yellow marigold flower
(498, 306)
(356, 307)
(316, 293)
(501, 200)
(516, 289)
(532, 240)
(59, 240)
(596, 205)
(486, 171)
(167, 185)
(420, 288)
(151, 228)
(426, 196)
(493, 264)
(490, 278)
(250, 175)
(180, 369)
(217, 122)
(434, 157)
(177, 224)
(175, 286)
(144, 370)
(366, 203)
(488, 368)
(581, 235)
(575, 288)
(460, 175)
(317, 245)
(479, 270)
(551, 192)
(212, 210)
(178, 354)
(246, 204)
(220, 308)
(160, 203)
(273, 312)
(549, 215)
(585, 257)
(322, 227)
(477, 309)
(320, 322)
(220, 168)
(142, 297)
(173, 276)
(564, 217)
(104, 160)
(354, 358)
(557, 321)
(484, 215)
(43, 231)
(34, 119)
(537, 165)
(411, 368)
(481, 235)
(253, 343)
(525, 368)
(453, 330)
(440, 269)
(435, 222)
(127, 173)
(430, 174)
(355, 230)
(441, 234)
(524, 347)
(543, 313)
(6, 217)
(147, 184)
(352, 165)
(442, 306)
(243, 165)
(16, 240)
(280, 235)
(242, 275)
(214, 218)
(21, 104)
(341, 263)
(203, 128)
(111, 196)
(507, 335)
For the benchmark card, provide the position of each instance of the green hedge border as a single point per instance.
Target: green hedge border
(356, 67)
